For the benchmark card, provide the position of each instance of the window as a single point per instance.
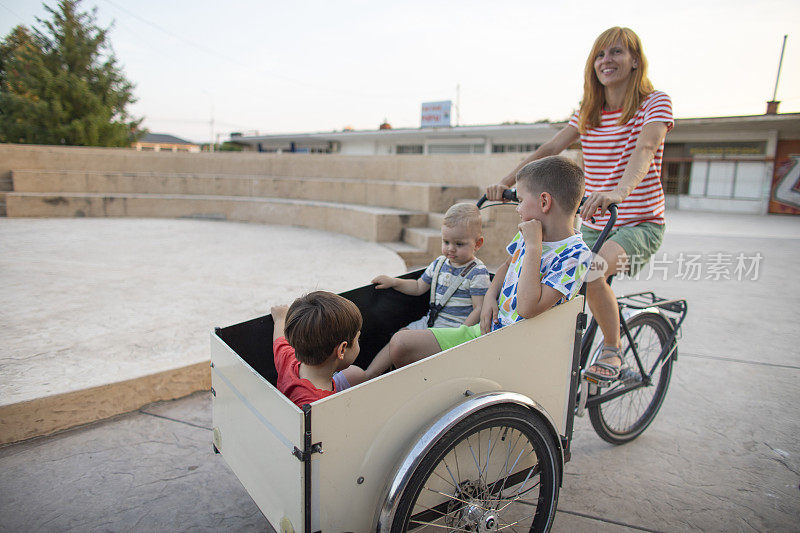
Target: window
(675, 177)
(455, 148)
(728, 179)
(501, 148)
(409, 149)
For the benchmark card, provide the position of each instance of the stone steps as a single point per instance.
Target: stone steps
(415, 196)
(406, 215)
(414, 257)
(429, 240)
(379, 224)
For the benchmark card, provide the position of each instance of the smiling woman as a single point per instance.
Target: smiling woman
(621, 124)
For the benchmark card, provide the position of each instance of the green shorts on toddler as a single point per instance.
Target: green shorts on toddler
(452, 337)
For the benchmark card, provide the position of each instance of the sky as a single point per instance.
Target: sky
(203, 69)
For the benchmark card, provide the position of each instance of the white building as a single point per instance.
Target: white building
(722, 164)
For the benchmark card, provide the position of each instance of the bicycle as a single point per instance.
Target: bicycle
(459, 441)
(621, 409)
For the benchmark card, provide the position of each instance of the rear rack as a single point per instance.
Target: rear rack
(643, 300)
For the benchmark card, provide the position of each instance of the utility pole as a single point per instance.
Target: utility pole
(780, 64)
(772, 105)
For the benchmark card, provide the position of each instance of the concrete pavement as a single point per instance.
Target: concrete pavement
(722, 454)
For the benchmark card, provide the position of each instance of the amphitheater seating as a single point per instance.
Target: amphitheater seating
(405, 215)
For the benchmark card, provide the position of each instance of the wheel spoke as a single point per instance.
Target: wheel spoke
(449, 528)
(512, 524)
(455, 483)
(457, 499)
(508, 456)
(517, 499)
(446, 480)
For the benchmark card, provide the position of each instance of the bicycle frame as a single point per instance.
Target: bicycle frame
(672, 310)
(641, 302)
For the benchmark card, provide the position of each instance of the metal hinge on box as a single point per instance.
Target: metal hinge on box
(581, 321)
(302, 456)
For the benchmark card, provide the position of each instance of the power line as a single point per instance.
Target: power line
(19, 17)
(234, 61)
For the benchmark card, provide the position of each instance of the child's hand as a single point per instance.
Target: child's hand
(489, 312)
(384, 282)
(279, 312)
(531, 231)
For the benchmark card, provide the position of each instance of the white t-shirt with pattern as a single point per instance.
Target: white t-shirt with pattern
(564, 265)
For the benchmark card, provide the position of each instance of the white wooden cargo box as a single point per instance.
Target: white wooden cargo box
(329, 466)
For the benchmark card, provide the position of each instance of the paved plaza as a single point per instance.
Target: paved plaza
(88, 300)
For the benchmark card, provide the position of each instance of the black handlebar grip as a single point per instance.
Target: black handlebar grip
(508, 194)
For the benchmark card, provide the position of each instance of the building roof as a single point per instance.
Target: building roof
(402, 133)
(163, 138)
(786, 123)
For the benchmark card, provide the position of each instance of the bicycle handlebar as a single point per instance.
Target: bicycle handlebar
(612, 219)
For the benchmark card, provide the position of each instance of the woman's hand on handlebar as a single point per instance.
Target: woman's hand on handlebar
(601, 201)
(494, 193)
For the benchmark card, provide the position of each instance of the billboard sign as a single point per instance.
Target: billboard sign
(436, 114)
(785, 197)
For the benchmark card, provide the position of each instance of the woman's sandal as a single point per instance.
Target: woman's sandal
(608, 352)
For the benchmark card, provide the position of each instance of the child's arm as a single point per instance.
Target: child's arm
(477, 284)
(489, 309)
(412, 287)
(475, 316)
(279, 318)
(533, 298)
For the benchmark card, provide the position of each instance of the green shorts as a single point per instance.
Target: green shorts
(452, 337)
(639, 242)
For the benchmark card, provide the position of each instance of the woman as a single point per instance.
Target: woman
(622, 123)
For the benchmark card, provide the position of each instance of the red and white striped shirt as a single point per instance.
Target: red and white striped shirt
(606, 151)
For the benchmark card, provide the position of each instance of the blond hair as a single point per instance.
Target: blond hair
(639, 85)
(464, 213)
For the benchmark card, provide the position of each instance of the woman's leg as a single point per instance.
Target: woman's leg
(410, 345)
(603, 303)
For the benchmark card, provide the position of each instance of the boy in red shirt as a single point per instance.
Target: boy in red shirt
(314, 357)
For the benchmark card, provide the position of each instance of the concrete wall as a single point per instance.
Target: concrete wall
(477, 170)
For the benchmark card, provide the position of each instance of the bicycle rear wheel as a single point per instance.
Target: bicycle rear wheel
(496, 470)
(625, 417)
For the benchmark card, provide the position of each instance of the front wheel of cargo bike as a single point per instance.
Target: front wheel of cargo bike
(496, 470)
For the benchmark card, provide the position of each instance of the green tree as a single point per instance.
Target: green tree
(61, 84)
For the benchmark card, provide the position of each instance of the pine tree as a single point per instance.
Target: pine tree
(61, 84)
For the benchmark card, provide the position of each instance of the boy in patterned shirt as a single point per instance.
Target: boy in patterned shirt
(549, 192)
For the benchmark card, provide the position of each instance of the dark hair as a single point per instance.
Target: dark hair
(556, 175)
(318, 322)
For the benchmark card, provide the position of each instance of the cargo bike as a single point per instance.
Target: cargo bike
(473, 439)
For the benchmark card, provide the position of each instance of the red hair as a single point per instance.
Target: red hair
(639, 85)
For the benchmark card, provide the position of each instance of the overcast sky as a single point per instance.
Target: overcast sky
(278, 67)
